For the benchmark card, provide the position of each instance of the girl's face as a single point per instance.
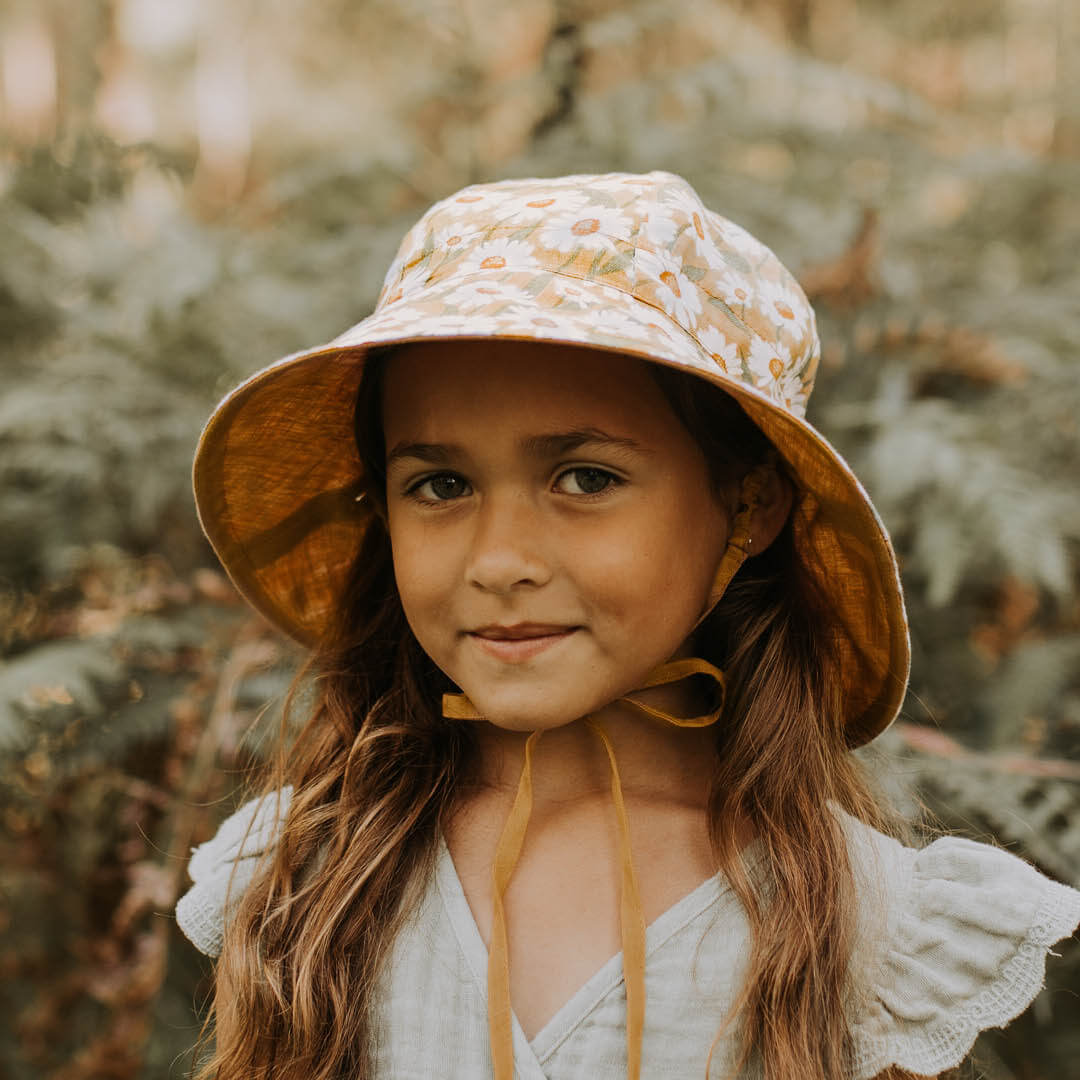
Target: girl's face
(554, 531)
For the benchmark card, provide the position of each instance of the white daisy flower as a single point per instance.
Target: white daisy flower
(722, 349)
(729, 286)
(659, 229)
(692, 357)
(470, 197)
(534, 207)
(701, 222)
(464, 204)
(737, 238)
(596, 227)
(583, 293)
(412, 282)
(780, 388)
(613, 321)
(668, 334)
(567, 288)
(682, 201)
(463, 324)
(764, 362)
(774, 375)
(477, 294)
(701, 232)
(434, 325)
(449, 237)
(777, 301)
(705, 247)
(543, 326)
(675, 291)
(789, 391)
(500, 254)
(797, 402)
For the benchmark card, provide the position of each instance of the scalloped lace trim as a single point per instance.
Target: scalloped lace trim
(944, 1045)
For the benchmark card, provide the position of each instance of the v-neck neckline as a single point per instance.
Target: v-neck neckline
(573, 1012)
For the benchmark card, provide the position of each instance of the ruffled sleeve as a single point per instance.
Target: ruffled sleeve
(967, 930)
(222, 867)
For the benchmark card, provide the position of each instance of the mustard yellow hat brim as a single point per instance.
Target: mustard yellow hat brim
(276, 475)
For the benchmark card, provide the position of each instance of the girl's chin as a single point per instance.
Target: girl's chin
(527, 722)
(536, 707)
(516, 716)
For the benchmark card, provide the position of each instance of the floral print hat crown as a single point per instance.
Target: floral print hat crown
(630, 263)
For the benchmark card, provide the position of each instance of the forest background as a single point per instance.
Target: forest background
(189, 190)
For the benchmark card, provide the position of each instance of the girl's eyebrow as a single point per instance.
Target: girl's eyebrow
(542, 446)
(563, 442)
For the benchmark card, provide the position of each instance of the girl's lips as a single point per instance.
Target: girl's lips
(520, 648)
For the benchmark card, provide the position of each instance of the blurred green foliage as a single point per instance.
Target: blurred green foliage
(914, 165)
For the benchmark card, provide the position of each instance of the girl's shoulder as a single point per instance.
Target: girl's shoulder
(221, 868)
(952, 939)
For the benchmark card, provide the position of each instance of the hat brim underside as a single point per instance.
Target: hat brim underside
(276, 475)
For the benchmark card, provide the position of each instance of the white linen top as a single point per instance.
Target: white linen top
(952, 939)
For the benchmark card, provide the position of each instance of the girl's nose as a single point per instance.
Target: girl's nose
(507, 546)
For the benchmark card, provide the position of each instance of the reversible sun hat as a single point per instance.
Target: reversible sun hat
(631, 263)
(635, 264)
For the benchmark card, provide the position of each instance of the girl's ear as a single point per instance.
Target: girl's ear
(775, 500)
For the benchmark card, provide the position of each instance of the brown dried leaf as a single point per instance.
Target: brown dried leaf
(849, 280)
(150, 886)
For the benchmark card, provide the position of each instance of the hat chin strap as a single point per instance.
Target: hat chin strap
(508, 850)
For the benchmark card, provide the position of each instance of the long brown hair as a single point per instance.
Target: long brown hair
(376, 772)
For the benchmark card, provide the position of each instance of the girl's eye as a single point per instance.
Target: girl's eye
(440, 488)
(446, 487)
(588, 480)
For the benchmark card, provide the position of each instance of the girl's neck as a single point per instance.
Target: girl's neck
(658, 762)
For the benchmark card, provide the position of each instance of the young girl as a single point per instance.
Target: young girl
(595, 619)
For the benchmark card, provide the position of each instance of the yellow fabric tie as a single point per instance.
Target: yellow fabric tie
(508, 849)
(500, 1027)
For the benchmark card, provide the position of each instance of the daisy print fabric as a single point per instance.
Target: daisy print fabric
(618, 261)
